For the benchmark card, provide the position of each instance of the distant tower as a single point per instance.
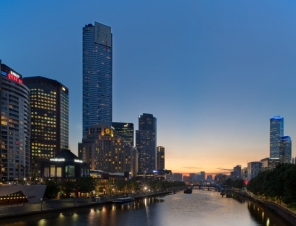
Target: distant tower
(160, 158)
(285, 149)
(97, 75)
(276, 132)
(146, 142)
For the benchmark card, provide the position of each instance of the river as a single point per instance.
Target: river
(202, 208)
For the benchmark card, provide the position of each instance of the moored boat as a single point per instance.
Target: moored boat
(124, 200)
(188, 190)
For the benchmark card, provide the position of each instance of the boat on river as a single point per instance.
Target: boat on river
(124, 200)
(188, 190)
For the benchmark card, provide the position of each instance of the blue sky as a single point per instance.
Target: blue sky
(211, 72)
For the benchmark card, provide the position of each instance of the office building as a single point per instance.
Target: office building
(146, 139)
(285, 149)
(125, 130)
(49, 102)
(254, 169)
(104, 150)
(15, 126)
(97, 75)
(269, 163)
(276, 132)
(160, 158)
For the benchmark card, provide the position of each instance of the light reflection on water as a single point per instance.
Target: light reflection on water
(199, 208)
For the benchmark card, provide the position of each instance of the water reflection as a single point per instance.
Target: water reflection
(200, 208)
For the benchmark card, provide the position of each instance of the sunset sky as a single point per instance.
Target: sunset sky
(212, 72)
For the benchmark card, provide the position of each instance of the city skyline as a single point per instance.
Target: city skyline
(213, 74)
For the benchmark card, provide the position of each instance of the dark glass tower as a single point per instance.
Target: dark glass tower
(285, 149)
(160, 158)
(50, 120)
(125, 131)
(276, 132)
(146, 140)
(97, 75)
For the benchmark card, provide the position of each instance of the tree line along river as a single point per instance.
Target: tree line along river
(203, 208)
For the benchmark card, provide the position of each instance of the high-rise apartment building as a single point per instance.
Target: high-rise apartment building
(160, 158)
(146, 139)
(15, 126)
(49, 102)
(125, 130)
(285, 149)
(97, 75)
(276, 132)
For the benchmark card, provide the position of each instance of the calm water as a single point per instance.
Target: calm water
(199, 208)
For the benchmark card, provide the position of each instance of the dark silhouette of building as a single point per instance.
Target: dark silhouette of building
(146, 139)
(160, 158)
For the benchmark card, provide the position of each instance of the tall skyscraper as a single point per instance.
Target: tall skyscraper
(276, 132)
(285, 149)
(125, 130)
(146, 139)
(15, 126)
(160, 158)
(97, 75)
(50, 120)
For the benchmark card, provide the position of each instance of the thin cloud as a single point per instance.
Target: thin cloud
(224, 169)
(191, 167)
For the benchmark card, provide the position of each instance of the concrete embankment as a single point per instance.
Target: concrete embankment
(52, 205)
(282, 211)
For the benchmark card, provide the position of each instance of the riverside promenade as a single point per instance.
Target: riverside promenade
(277, 207)
(50, 205)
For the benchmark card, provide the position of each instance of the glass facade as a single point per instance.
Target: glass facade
(97, 75)
(276, 132)
(15, 126)
(50, 120)
(285, 149)
(146, 141)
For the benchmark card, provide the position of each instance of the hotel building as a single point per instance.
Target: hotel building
(15, 126)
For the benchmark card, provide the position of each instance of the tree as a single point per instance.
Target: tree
(52, 188)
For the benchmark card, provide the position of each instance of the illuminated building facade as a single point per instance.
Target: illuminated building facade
(104, 150)
(125, 130)
(65, 165)
(276, 132)
(285, 149)
(97, 75)
(15, 126)
(146, 140)
(160, 158)
(49, 120)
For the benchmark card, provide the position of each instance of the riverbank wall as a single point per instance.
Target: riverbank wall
(282, 211)
(52, 205)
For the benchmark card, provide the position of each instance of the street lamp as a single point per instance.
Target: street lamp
(41, 201)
